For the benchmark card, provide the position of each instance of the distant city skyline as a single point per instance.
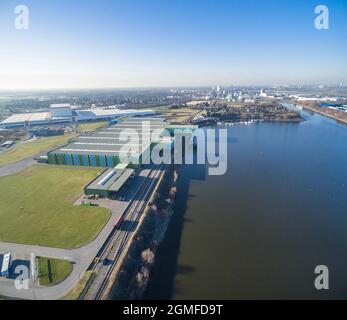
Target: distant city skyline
(85, 44)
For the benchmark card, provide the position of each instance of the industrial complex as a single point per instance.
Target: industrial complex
(107, 147)
(119, 149)
(65, 113)
(124, 186)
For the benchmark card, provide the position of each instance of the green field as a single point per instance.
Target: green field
(53, 271)
(22, 151)
(37, 207)
(92, 126)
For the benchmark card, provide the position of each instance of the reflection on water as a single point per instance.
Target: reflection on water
(260, 230)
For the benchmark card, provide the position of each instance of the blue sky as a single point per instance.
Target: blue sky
(156, 43)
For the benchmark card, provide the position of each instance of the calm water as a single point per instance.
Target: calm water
(259, 231)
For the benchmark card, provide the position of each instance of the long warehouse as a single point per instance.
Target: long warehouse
(105, 148)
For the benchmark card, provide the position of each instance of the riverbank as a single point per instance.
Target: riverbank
(134, 274)
(269, 112)
(339, 116)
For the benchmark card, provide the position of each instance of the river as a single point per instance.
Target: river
(259, 231)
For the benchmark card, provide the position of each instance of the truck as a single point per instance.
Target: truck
(6, 263)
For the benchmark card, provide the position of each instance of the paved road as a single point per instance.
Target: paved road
(22, 164)
(16, 167)
(81, 258)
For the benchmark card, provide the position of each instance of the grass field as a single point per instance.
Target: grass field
(53, 271)
(37, 207)
(179, 115)
(92, 126)
(25, 150)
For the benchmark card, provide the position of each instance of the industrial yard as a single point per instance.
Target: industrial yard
(76, 211)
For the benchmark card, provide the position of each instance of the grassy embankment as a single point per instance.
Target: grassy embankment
(52, 271)
(92, 126)
(76, 292)
(25, 150)
(340, 116)
(37, 207)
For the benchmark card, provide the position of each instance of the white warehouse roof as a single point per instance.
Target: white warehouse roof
(110, 112)
(59, 113)
(28, 117)
(101, 113)
(60, 105)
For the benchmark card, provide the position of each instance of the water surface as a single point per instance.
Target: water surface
(259, 231)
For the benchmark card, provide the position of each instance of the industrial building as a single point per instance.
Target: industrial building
(109, 182)
(27, 119)
(65, 113)
(61, 110)
(7, 144)
(105, 148)
(46, 132)
(108, 114)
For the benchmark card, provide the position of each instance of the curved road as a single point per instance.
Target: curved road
(80, 257)
(22, 164)
(16, 167)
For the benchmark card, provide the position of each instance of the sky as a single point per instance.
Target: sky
(171, 43)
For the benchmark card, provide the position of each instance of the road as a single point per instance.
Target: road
(16, 167)
(80, 257)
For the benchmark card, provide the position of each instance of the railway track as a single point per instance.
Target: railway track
(113, 250)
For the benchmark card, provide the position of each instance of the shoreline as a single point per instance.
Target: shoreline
(136, 269)
(343, 121)
(228, 123)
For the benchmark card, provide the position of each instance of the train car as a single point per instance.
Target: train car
(119, 222)
(5, 268)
